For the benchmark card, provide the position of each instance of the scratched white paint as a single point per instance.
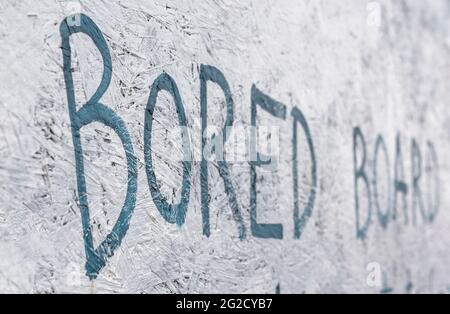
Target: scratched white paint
(338, 61)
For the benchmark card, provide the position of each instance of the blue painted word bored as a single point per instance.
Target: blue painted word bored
(94, 111)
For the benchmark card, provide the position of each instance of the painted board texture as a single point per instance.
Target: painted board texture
(96, 195)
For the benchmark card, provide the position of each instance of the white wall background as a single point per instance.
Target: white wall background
(329, 58)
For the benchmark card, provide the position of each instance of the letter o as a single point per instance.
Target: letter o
(382, 217)
(172, 213)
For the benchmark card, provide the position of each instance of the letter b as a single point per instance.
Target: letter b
(93, 111)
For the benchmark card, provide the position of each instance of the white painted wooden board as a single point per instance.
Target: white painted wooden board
(382, 66)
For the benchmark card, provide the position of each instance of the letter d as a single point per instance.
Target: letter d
(93, 111)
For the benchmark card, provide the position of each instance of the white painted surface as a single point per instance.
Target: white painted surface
(329, 58)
